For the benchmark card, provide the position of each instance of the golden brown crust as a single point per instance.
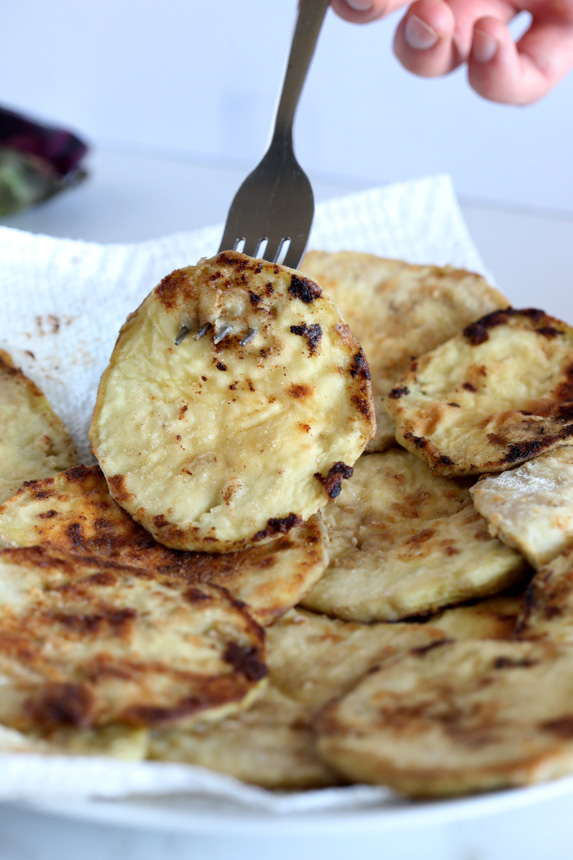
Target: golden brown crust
(74, 513)
(87, 642)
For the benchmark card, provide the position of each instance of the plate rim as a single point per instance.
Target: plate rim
(153, 813)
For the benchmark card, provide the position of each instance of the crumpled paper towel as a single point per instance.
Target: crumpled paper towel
(63, 302)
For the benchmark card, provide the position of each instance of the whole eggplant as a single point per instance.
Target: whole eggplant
(37, 161)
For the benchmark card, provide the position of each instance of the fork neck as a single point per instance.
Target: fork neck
(308, 24)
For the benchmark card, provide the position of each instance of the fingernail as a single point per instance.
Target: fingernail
(360, 5)
(418, 34)
(484, 47)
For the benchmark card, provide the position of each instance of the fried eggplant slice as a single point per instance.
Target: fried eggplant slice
(311, 659)
(226, 441)
(491, 398)
(456, 717)
(86, 643)
(399, 311)
(271, 744)
(73, 512)
(531, 507)
(128, 743)
(548, 607)
(492, 618)
(406, 542)
(33, 441)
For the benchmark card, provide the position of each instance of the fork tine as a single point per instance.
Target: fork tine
(201, 332)
(221, 334)
(262, 248)
(295, 252)
(182, 334)
(230, 239)
(251, 246)
(273, 248)
(277, 194)
(251, 333)
(281, 253)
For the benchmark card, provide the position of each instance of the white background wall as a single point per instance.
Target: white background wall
(199, 79)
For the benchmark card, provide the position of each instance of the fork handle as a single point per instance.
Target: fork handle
(308, 23)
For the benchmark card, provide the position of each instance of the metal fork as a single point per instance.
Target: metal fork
(275, 203)
(271, 213)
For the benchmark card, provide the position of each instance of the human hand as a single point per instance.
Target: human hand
(436, 36)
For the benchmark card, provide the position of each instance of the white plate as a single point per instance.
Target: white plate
(192, 815)
(419, 221)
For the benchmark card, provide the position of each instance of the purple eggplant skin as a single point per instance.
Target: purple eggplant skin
(36, 161)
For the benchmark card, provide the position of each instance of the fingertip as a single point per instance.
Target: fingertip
(360, 5)
(484, 47)
(360, 11)
(496, 69)
(493, 63)
(435, 14)
(418, 35)
(423, 41)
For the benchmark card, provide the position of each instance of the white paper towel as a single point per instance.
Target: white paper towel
(63, 303)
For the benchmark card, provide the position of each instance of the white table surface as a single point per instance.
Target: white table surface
(135, 197)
